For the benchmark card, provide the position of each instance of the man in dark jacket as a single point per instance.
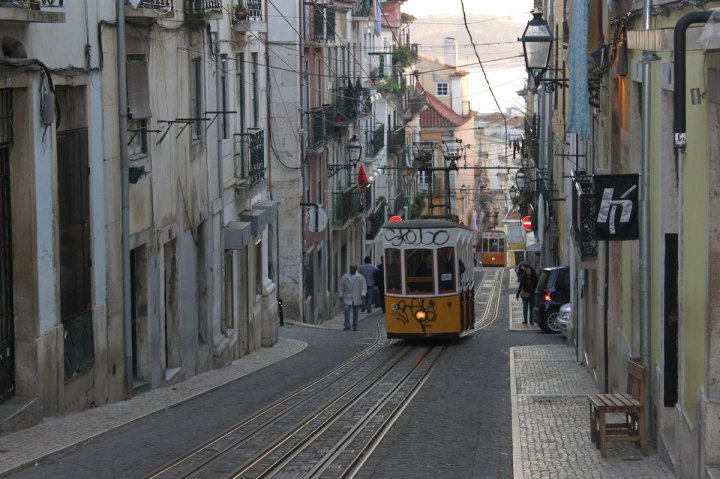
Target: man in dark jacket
(526, 291)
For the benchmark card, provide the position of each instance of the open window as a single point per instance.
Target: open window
(420, 271)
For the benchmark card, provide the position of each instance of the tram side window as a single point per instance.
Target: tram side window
(446, 269)
(393, 276)
(502, 245)
(494, 247)
(419, 270)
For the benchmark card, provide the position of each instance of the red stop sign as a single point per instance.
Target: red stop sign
(527, 223)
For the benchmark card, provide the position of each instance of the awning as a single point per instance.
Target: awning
(534, 248)
(261, 215)
(236, 235)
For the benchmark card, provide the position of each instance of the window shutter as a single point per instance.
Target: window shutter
(138, 90)
(319, 24)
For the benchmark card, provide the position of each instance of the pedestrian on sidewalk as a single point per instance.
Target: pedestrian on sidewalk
(380, 283)
(526, 291)
(352, 291)
(368, 271)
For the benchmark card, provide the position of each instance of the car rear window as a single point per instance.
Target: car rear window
(542, 281)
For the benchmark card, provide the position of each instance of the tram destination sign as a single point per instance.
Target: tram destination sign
(616, 200)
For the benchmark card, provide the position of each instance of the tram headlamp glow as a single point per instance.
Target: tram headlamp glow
(420, 315)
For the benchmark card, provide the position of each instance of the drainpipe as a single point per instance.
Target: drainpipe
(644, 217)
(124, 195)
(679, 100)
(215, 51)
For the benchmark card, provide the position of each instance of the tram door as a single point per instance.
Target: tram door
(7, 321)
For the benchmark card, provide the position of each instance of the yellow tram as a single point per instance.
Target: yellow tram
(492, 248)
(429, 278)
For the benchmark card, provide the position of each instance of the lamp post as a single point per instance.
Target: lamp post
(537, 41)
(521, 179)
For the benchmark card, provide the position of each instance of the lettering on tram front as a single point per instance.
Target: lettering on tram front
(399, 236)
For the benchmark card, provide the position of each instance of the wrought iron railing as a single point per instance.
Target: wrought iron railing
(32, 4)
(377, 142)
(203, 6)
(329, 115)
(349, 203)
(250, 155)
(375, 221)
(166, 5)
(317, 127)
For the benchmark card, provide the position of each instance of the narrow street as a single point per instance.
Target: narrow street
(505, 399)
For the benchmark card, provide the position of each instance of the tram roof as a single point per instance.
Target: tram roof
(424, 223)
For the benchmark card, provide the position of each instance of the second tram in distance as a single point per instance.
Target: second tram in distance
(492, 248)
(429, 278)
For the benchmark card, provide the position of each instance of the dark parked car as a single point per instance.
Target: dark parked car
(553, 290)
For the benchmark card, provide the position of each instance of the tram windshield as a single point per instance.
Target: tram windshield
(419, 268)
(493, 244)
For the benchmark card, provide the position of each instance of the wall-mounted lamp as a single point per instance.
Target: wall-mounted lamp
(696, 96)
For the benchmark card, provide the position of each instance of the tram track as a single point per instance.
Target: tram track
(322, 425)
(330, 427)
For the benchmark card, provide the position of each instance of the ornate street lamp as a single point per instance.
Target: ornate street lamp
(424, 153)
(521, 179)
(452, 150)
(513, 192)
(354, 154)
(537, 42)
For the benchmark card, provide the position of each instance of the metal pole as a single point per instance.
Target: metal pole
(220, 108)
(124, 196)
(644, 216)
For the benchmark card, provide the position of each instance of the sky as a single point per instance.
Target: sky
(519, 10)
(504, 79)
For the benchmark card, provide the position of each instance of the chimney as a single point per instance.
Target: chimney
(451, 53)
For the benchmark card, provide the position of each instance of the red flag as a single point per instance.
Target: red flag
(362, 176)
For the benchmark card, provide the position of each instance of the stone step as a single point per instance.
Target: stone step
(19, 412)
(712, 471)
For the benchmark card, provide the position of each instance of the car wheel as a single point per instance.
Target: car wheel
(550, 324)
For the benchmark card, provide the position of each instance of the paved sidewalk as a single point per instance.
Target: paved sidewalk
(551, 422)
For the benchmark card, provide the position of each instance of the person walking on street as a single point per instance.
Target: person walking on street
(352, 291)
(368, 270)
(526, 291)
(380, 283)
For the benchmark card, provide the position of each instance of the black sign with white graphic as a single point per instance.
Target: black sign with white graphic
(616, 200)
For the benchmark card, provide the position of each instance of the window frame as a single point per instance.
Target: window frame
(442, 85)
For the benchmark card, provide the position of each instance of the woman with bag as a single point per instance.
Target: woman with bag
(526, 291)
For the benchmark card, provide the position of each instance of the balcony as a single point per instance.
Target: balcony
(361, 9)
(376, 142)
(349, 203)
(203, 10)
(32, 11)
(396, 140)
(320, 24)
(248, 16)
(399, 204)
(250, 157)
(149, 9)
(376, 220)
(316, 123)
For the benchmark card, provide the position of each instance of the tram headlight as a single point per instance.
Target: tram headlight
(420, 315)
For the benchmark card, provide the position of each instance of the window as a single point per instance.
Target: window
(441, 89)
(223, 96)
(196, 97)
(393, 274)
(419, 268)
(258, 268)
(240, 82)
(446, 269)
(138, 97)
(254, 87)
(137, 143)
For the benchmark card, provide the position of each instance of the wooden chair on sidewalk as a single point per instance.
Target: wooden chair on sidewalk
(631, 404)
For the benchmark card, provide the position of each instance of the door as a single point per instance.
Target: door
(7, 321)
